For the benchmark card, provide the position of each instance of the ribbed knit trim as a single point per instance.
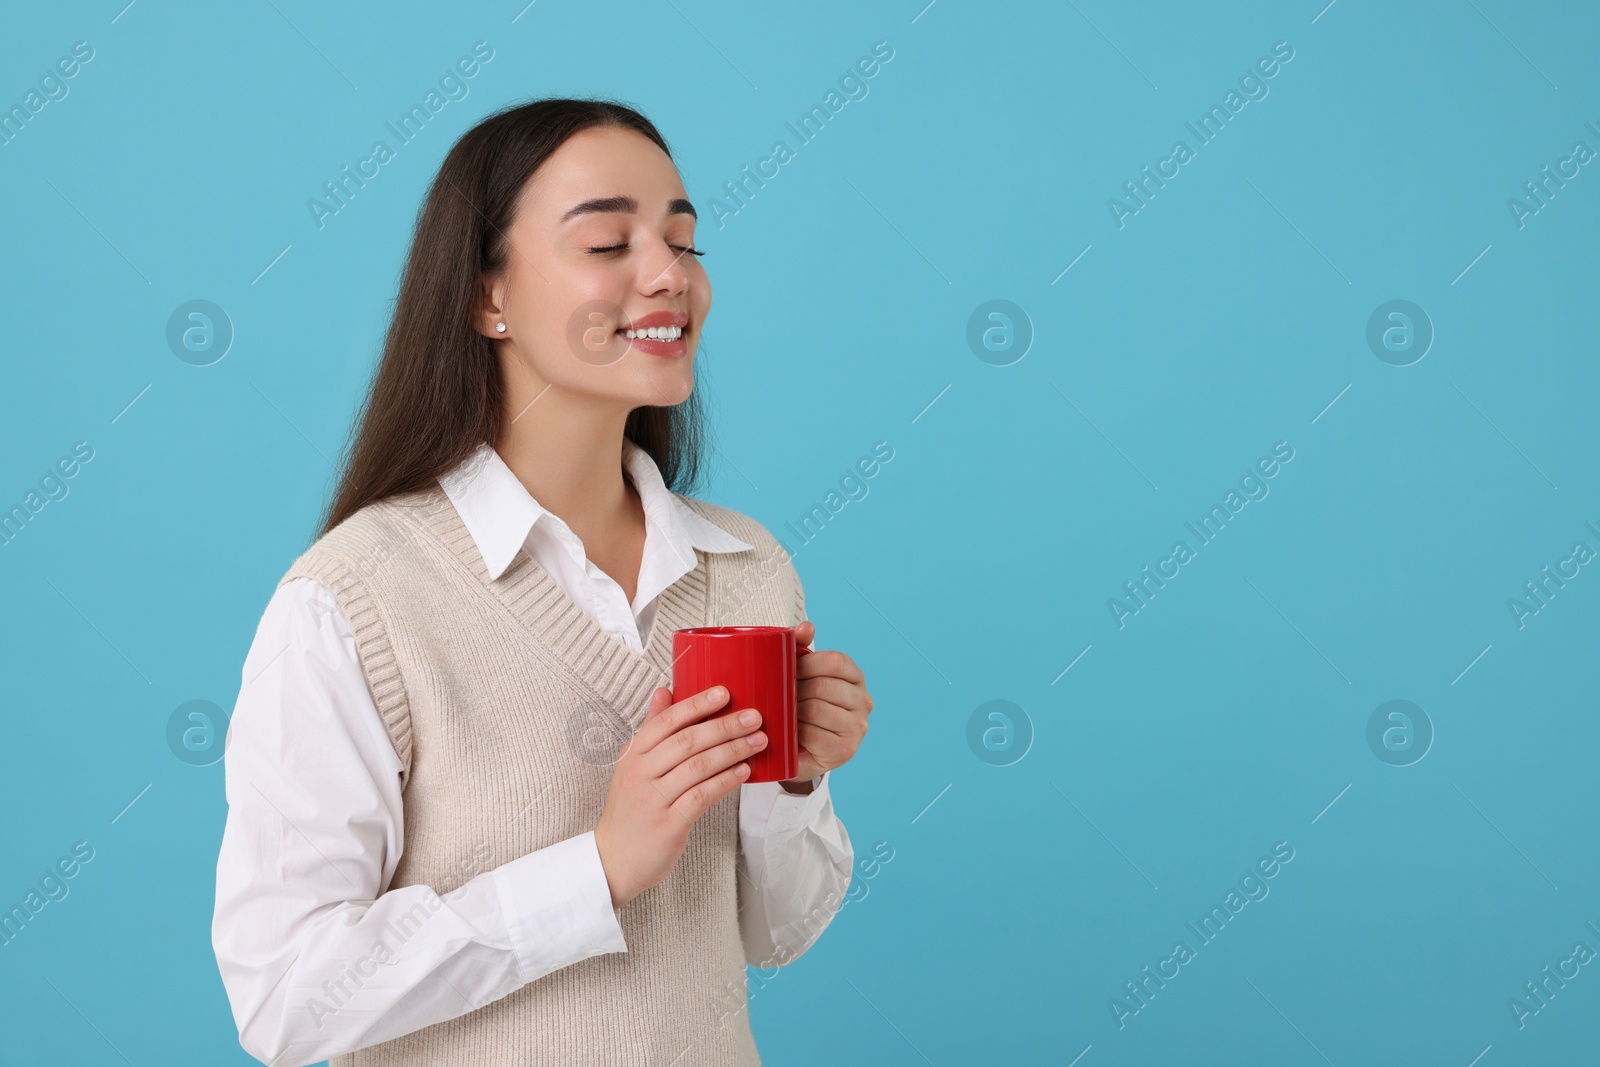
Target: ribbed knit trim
(336, 562)
(622, 678)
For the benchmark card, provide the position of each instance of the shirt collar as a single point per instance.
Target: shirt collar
(499, 512)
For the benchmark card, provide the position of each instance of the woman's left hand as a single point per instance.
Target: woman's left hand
(834, 705)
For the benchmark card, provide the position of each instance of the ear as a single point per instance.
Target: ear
(490, 311)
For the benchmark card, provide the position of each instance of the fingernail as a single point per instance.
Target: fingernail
(750, 717)
(717, 692)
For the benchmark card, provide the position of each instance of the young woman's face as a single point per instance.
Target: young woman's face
(599, 242)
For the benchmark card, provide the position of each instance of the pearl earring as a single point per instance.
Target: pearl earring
(499, 327)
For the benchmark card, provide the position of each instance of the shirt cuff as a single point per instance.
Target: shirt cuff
(557, 906)
(774, 811)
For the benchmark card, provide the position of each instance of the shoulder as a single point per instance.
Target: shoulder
(353, 568)
(301, 612)
(765, 565)
(764, 545)
(364, 543)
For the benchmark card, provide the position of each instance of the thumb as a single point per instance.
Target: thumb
(805, 632)
(660, 701)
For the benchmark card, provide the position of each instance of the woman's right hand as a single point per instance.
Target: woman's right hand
(676, 766)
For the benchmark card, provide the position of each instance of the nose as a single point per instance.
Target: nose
(663, 270)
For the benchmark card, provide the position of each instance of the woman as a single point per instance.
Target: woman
(467, 823)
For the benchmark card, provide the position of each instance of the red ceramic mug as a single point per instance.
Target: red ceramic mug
(757, 665)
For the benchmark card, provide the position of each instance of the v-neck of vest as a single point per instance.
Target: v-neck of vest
(621, 677)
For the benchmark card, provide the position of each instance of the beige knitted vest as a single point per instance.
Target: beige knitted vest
(507, 705)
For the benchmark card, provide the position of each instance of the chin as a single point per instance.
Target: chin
(671, 390)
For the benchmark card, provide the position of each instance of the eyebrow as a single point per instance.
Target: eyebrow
(626, 205)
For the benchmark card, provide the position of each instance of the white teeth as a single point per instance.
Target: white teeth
(656, 333)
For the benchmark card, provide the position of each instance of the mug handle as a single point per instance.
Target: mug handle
(799, 650)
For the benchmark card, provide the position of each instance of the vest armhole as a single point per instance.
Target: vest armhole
(373, 646)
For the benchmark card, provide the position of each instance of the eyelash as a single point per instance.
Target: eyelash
(616, 248)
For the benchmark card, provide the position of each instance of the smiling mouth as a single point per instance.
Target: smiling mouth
(655, 333)
(666, 342)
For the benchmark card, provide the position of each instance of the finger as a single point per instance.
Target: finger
(660, 701)
(810, 766)
(698, 799)
(678, 715)
(837, 691)
(812, 734)
(805, 632)
(709, 763)
(829, 663)
(825, 743)
(696, 738)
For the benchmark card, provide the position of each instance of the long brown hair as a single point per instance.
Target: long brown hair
(437, 393)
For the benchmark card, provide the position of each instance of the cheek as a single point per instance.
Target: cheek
(572, 291)
(696, 295)
(574, 305)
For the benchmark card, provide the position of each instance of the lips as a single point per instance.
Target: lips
(654, 346)
(657, 318)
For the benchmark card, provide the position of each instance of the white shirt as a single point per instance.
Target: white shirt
(315, 823)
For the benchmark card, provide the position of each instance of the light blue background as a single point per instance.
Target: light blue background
(1224, 317)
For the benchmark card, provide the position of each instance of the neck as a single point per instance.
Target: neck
(566, 450)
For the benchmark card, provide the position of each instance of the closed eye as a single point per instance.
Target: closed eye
(680, 249)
